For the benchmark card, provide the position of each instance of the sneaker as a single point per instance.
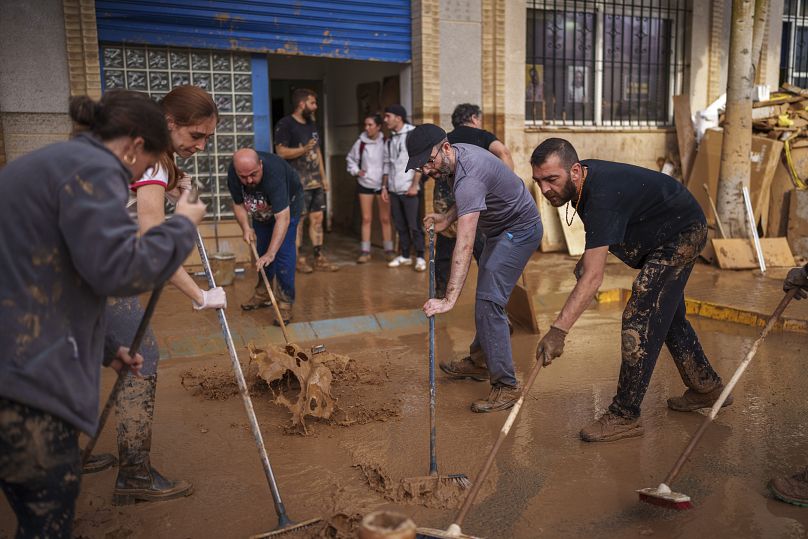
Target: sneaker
(420, 264)
(259, 300)
(610, 427)
(399, 261)
(791, 489)
(303, 266)
(364, 257)
(389, 255)
(691, 400)
(464, 369)
(500, 398)
(321, 263)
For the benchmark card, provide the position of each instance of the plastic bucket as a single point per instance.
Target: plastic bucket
(223, 266)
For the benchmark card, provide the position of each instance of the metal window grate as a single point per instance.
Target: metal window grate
(604, 63)
(228, 78)
(794, 45)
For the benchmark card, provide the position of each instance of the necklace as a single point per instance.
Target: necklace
(577, 202)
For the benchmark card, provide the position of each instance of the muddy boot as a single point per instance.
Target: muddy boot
(692, 400)
(792, 489)
(303, 266)
(99, 463)
(500, 398)
(610, 427)
(463, 369)
(286, 313)
(137, 480)
(321, 263)
(259, 300)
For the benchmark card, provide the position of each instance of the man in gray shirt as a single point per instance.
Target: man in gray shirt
(490, 196)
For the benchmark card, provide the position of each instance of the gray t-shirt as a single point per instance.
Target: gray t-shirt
(483, 183)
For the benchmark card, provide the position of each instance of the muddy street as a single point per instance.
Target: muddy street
(545, 483)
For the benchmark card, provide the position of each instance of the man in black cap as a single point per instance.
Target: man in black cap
(400, 188)
(490, 196)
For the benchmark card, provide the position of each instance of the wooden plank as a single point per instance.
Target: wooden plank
(798, 222)
(739, 253)
(553, 238)
(685, 134)
(781, 186)
(574, 235)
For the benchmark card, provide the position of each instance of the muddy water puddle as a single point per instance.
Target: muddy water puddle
(545, 481)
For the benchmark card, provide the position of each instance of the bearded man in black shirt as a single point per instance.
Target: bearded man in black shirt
(653, 224)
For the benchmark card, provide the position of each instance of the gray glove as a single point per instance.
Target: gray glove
(797, 278)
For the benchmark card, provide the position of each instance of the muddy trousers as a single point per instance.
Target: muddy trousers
(502, 262)
(655, 314)
(282, 269)
(40, 470)
(444, 247)
(407, 221)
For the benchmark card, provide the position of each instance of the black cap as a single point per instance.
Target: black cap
(420, 142)
(398, 110)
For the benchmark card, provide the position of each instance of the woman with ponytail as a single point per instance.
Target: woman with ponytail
(191, 116)
(67, 244)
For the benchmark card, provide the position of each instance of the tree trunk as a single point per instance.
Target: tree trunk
(735, 166)
(760, 25)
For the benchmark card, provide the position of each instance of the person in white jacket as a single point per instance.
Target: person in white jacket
(400, 187)
(366, 163)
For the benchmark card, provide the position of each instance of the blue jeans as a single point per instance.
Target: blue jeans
(283, 267)
(502, 262)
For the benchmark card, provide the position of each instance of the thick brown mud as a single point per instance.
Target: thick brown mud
(545, 481)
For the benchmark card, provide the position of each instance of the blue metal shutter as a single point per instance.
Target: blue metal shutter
(355, 29)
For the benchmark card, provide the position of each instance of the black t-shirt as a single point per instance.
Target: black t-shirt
(633, 210)
(471, 135)
(279, 189)
(293, 134)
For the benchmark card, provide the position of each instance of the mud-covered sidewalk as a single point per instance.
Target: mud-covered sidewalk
(545, 483)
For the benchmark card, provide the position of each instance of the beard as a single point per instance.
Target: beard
(568, 193)
(309, 115)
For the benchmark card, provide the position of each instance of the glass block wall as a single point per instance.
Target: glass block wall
(226, 75)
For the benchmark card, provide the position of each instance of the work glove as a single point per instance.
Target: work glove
(797, 278)
(214, 298)
(551, 345)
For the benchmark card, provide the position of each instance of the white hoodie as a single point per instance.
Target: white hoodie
(372, 159)
(395, 161)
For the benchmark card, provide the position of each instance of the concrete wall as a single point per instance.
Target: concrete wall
(460, 56)
(35, 87)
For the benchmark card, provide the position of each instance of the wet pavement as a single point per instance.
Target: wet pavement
(546, 482)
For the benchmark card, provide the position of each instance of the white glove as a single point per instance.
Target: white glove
(183, 184)
(214, 298)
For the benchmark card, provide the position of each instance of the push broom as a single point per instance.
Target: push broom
(460, 480)
(454, 531)
(662, 495)
(285, 524)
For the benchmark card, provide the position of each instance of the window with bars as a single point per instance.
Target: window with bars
(604, 63)
(794, 45)
(228, 78)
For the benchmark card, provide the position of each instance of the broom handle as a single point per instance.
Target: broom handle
(433, 427)
(280, 509)
(271, 295)
(503, 433)
(730, 386)
(116, 389)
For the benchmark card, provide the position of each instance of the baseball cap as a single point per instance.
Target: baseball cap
(398, 110)
(420, 142)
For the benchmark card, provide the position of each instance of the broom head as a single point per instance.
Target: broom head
(663, 496)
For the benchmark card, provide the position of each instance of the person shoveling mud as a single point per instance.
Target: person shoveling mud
(652, 223)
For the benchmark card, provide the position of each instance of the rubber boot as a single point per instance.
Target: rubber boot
(137, 480)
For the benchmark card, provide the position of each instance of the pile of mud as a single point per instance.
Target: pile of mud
(326, 387)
